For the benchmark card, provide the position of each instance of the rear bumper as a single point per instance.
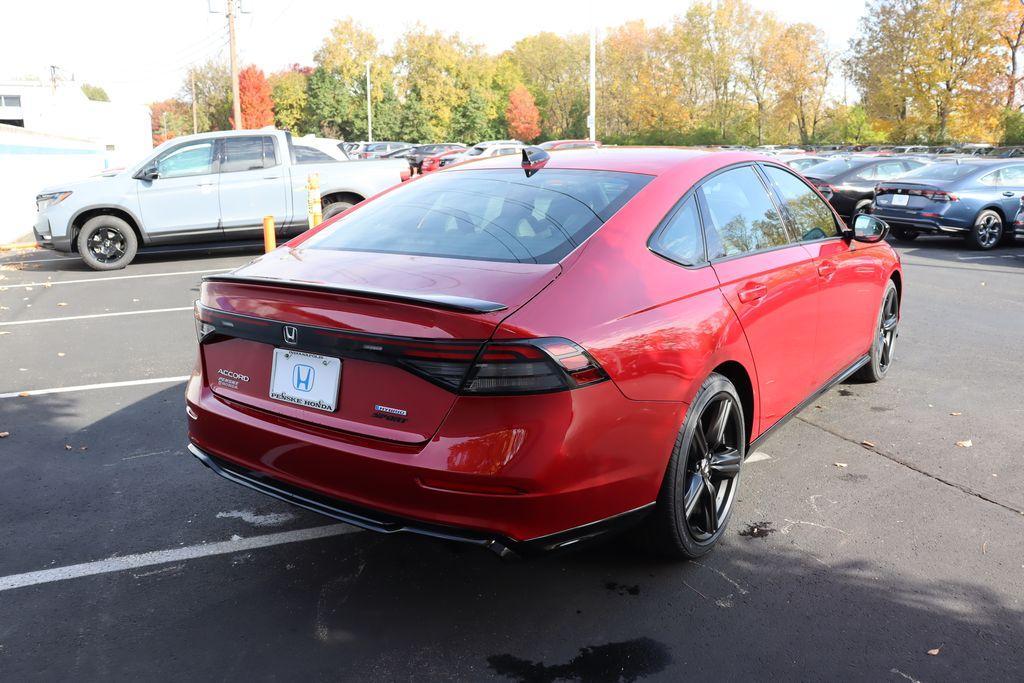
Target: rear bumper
(375, 520)
(569, 466)
(926, 225)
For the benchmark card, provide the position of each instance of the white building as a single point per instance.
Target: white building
(50, 135)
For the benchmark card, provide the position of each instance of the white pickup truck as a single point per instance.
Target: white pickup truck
(200, 188)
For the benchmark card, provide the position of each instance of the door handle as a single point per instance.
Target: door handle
(205, 184)
(1007, 194)
(826, 269)
(752, 291)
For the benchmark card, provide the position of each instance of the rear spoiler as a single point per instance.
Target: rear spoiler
(462, 304)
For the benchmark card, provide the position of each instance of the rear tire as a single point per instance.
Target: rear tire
(884, 341)
(334, 208)
(699, 488)
(905, 235)
(861, 207)
(107, 243)
(987, 230)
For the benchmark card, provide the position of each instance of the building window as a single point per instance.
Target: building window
(10, 100)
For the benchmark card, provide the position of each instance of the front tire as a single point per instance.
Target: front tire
(699, 487)
(107, 243)
(987, 230)
(886, 332)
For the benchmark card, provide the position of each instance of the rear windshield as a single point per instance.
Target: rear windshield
(943, 171)
(488, 215)
(833, 168)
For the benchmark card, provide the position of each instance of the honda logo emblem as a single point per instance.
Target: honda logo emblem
(291, 335)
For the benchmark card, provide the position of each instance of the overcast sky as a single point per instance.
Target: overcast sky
(139, 50)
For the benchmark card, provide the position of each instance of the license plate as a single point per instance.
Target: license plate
(305, 379)
(900, 199)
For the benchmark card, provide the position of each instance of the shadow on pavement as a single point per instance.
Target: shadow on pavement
(45, 261)
(370, 607)
(954, 250)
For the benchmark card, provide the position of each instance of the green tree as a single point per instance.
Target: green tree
(555, 70)
(290, 92)
(471, 120)
(95, 93)
(213, 95)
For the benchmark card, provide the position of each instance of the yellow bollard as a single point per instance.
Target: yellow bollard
(269, 240)
(313, 206)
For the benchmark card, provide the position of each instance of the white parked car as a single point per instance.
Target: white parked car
(488, 148)
(196, 188)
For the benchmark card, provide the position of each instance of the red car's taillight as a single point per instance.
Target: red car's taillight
(535, 365)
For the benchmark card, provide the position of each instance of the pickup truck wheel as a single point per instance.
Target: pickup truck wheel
(334, 208)
(107, 243)
(986, 231)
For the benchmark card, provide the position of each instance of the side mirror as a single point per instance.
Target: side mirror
(869, 229)
(148, 173)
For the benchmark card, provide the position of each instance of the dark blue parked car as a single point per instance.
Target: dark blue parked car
(975, 199)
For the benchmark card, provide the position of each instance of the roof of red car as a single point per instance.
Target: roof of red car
(650, 160)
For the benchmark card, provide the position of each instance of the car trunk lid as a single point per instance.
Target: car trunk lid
(909, 198)
(403, 327)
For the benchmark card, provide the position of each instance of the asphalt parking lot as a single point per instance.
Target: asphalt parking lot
(866, 543)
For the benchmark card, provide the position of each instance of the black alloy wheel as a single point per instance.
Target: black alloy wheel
(712, 466)
(890, 320)
(107, 245)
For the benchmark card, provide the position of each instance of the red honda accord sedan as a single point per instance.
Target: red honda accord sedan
(526, 353)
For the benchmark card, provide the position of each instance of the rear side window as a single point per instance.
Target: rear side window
(309, 155)
(812, 218)
(679, 239)
(248, 153)
(884, 171)
(741, 214)
(490, 215)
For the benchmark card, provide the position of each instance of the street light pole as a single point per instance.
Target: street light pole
(592, 118)
(369, 107)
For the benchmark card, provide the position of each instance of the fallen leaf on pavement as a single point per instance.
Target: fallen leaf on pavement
(47, 285)
(61, 354)
(4, 435)
(23, 394)
(934, 651)
(867, 444)
(62, 304)
(840, 464)
(84, 448)
(956, 414)
(67, 447)
(966, 443)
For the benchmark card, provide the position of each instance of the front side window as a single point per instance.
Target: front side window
(194, 158)
(679, 239)
(490, 215)
(742, 215)
(248, 153)
(812, 217)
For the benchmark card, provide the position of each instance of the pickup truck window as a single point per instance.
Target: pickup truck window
(309, 155)
(192, 158)
(248, 153)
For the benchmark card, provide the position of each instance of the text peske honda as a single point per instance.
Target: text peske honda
(525, 353)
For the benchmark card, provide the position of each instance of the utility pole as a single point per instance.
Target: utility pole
(53, 79)
(195, 112)
(592, 118)
(234, 64)
(369, 107)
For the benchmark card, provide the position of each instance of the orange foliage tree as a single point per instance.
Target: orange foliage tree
(254, 91)
(522, 114)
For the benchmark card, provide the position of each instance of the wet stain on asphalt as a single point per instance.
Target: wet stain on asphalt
(626, 661)
(758, 530)
(853, 478)
(622, 589)
(881, 409)
(846, 392)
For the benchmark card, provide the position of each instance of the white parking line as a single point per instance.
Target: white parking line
(119, 564)
(87, 387)
(108, 279)
(61, 319)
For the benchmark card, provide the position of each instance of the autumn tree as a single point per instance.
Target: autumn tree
(522, 115)
(801, 73)
(169, 119)
(254, 94)
(555, 70)
(1010, 28)
(95, 93)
